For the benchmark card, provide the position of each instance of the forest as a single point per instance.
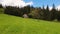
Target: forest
(33, 12)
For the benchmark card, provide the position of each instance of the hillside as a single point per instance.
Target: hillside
(17, 25)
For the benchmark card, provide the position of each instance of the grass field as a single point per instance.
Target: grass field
(17, 25)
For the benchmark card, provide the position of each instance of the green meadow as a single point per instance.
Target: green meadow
(17, 25)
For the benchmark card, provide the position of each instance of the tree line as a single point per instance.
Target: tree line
(34, 12)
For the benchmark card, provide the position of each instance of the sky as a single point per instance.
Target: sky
(38, 3)
(17, 3)
(35, 3)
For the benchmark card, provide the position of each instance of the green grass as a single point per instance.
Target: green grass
(17, 25)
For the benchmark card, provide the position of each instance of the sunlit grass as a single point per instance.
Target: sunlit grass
(17, 25)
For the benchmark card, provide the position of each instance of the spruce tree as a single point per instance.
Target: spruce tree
(47, 13)
(53, 13)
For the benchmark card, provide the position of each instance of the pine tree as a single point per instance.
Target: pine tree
(47, 13)
(53, 13)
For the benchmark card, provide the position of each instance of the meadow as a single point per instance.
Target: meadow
(17, 25)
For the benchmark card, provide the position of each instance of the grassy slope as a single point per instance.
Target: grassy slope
(17, 25)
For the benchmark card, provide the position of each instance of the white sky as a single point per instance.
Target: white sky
(18, 3)
(57, 7)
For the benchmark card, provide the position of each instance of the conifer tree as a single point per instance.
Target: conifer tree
(53, 13)
(1, 6)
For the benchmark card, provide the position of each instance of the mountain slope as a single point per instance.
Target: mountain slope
(17, 25)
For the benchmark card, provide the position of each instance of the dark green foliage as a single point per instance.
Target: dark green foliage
(34, 12)
(53, 13)
(44, 13)
(47, 13)
(27, 9)
(12, 11)
(17, 11)
(58, 16)
(1, 10)
(1, 6)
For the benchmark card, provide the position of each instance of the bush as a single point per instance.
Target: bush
(1, 10)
